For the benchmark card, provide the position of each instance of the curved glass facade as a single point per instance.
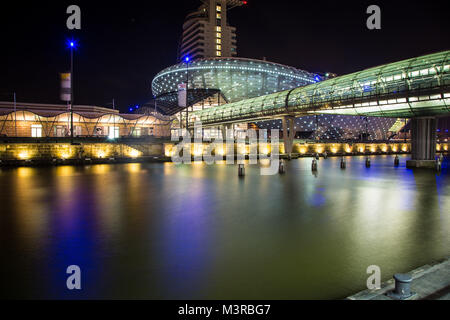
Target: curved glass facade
(236, 78)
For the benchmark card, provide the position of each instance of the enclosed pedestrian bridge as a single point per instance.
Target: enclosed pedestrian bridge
(411, 88)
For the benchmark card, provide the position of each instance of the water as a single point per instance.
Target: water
(158, 231)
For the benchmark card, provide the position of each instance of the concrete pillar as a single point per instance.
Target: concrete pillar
(288, 134)
(423, 142)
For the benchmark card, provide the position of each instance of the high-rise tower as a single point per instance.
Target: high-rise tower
(206, 33)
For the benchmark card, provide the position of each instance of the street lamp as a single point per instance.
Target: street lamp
(187, 59)
(72, 45)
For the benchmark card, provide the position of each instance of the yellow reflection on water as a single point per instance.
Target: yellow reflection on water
(198, 169)
(65, 171)
(169, 168)
(134, 167)
(25, 172)
(101, 169)
(31, 211)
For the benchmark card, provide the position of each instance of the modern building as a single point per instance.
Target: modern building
(216, 81)
(236, 78)
(206, 32)
(50, 120)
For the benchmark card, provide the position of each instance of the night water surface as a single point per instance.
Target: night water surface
(160, 231)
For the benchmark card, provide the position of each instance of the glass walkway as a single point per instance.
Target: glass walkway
(410, 88)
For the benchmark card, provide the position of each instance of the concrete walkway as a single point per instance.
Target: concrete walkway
(430, 282)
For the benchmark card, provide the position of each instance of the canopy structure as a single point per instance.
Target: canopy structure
(414, 87)
(168, 104)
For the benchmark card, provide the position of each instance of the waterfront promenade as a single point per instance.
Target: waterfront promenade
(29, 152)
(430, 282)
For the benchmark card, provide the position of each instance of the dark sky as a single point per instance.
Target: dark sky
(123, 45)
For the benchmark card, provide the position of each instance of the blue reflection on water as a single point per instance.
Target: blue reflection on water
(75, 243)
(187, 244)
(317, 199)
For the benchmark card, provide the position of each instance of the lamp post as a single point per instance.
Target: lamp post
(72, 46)
(187, 59)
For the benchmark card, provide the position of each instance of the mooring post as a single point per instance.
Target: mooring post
(438, 165)
(241, 170)
(367, 162)
(343, 164)
(281, 168)
(314, 165)
(402, 289)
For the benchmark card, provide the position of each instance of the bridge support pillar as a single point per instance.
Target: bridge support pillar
(423, 143)
(288, 134)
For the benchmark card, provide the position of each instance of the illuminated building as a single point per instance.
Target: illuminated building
(206, 32)
(48, 120)
(235, 78)
(216, 81)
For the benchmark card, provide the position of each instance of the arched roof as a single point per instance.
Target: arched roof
(236, 78)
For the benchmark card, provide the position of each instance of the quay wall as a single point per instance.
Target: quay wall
(305, 149)
(55, 152)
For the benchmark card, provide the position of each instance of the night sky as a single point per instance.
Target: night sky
(123, 45)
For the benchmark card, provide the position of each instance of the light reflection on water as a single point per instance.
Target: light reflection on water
(196, 231)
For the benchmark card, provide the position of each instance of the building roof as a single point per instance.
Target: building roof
(236, 78)
(54, 110)
(47, 107)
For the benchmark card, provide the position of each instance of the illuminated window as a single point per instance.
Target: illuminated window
(218, 53)
(36, 131)
(219, 47)
(113, 133)
(218, 35)
(219, 8)
(60, 131)
(218, 41)
(219, 29)
(137, 132)
(218, 16)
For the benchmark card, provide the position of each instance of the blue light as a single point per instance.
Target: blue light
(71, 43)
(317, 78)
(137, 107)
(187, 59)
(131, 109)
